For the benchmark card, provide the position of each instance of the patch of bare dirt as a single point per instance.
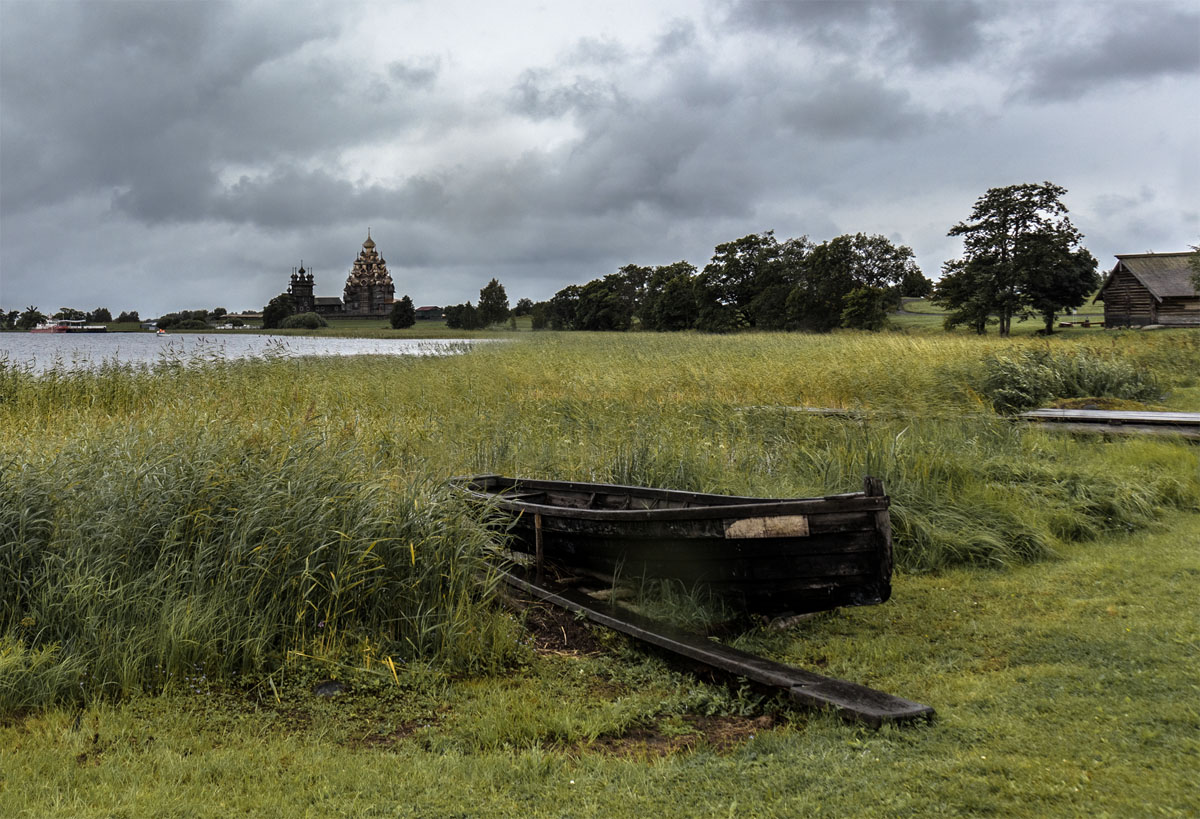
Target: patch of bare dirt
(557, 630)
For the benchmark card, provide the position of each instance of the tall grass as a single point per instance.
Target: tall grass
(156, 520)
(136, 556)
(1031, 377)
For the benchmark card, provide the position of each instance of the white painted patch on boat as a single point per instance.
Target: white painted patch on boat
(777, 526)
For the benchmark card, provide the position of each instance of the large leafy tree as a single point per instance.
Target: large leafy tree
(1021, 257)
(562, 308)
(1058, 278)
(866, 308)
(916, 285)
(730, 286)
(493, 303)
(635, 282)
(606, 304)
(968, 297)
(463, 317)
(670, 300)
(276, 311)
(29, 319)
(834, 269)
(403, 313)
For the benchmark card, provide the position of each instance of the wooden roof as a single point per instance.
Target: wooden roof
(1165, 275)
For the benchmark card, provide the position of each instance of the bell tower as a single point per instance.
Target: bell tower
(301, 290)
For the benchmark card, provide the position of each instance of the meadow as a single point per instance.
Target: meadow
(189, 549)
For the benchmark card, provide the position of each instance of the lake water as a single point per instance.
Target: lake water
(41, 351)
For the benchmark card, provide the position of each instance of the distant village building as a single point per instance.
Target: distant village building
(1151, 288)
(429, 313)
(369, 291)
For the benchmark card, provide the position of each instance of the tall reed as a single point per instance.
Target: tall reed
(134, 557)
(221, 514)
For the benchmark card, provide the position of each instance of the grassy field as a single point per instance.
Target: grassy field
(191, 550)
(1063, 689)
(924, 315)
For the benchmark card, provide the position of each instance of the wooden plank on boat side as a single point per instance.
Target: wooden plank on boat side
(850, 700)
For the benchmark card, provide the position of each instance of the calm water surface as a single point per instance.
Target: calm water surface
(41, 351)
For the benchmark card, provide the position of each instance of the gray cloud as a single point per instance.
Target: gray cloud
(596, 51)
(196, 149)
(678, 37)
(538, 94)
(923, 34)
(1139, 43)
(933, 34)
(416, 74)
(842, 105)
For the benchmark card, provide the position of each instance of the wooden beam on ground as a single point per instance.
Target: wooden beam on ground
(1185, 424)
(851, 701)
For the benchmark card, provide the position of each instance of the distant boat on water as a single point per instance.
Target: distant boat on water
(68, 326)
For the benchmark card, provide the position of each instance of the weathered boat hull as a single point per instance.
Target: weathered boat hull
(771, 555)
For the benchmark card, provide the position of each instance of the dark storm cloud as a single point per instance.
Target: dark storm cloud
(843, 105)
(1141, 42)
(153, 101)
(225, 142)
(290, 198)
(932, 34)
(677, 139)
(113, 95)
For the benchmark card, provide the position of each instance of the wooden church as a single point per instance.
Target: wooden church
(369, 290)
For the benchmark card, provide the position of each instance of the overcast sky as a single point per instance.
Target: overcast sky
(171, 155)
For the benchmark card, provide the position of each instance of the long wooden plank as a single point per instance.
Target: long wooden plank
(851, 701)
(1114, 416)
(1191, 433)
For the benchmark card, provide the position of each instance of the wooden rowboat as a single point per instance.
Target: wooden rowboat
(791, 555)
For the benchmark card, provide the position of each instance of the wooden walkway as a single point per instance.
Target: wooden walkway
(1118, 422)
(851, 701)
(1185, 424)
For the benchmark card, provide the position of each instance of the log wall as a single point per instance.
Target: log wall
(1182, 312)
(1127, 301)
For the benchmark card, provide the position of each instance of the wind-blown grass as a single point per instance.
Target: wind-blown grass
(154, 520)
(133, 558)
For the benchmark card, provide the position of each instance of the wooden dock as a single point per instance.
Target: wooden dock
(851, 701)
(1121, 422)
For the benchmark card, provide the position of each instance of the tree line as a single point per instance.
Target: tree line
(31, 317)
(755, 282)
(1022, 259)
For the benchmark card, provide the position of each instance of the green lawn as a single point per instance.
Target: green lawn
(190, 550)
(922, 314)
(1063, 689)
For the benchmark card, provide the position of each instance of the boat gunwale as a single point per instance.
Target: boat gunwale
(751, 507)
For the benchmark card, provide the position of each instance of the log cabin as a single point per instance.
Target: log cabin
(1151, 288)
